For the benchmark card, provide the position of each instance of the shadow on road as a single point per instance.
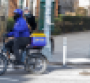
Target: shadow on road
(66, 68)
(16, 76)
(21, 76)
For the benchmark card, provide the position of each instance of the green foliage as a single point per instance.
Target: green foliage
(36, 19)
(81, 11)
(59, 19)
(10, 24)
(60, 16)
(57, 31)
(56, 20)
(71, 24)
(63, 23)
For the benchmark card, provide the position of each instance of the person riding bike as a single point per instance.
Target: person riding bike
(21, 35)
(30, 20)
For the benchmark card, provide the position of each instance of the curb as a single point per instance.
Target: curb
(69, 63)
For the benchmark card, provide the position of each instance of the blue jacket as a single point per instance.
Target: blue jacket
(20, 29)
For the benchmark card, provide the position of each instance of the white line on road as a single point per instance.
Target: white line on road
(72, 77)
(9, 79)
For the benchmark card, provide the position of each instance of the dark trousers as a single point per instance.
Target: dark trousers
(18, 43)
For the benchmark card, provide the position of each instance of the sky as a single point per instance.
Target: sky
(84, 3)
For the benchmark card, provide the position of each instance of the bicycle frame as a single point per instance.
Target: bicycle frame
(4, 50)
(23, 52)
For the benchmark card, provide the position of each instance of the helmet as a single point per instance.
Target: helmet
(18, 11)
(17, 14)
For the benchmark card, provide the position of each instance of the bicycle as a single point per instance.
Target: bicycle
(30, 59)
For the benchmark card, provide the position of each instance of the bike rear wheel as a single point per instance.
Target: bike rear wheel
(36, 63)
(3, 64)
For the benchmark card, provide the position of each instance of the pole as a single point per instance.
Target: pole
(34, 7)
(24, 4)
(64, 50)
(47, 29)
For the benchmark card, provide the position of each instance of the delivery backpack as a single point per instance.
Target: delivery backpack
(31, 21)
(38, 39)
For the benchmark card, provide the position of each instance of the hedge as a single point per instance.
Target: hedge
(64, 24)
(10, 24)
(72, 24)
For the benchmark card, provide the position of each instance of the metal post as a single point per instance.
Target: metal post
(65, 53)
(64, 50)
(47, 29)
(34, 6)
(24, 4)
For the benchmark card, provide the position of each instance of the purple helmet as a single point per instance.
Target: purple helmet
(18, 11)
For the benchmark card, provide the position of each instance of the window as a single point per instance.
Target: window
(59, 9)
(20, 4)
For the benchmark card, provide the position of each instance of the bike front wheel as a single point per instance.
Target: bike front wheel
(3, 64)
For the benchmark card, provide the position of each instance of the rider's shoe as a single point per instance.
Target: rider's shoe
(21, 63)
(16, 62)
(9, 61)
(18, 65)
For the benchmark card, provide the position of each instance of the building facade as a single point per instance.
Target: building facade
(67, 6)
(71, 5)
(33, 5)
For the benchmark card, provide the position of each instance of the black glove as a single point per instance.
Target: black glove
(5, 35)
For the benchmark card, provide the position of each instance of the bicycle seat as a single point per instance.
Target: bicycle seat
(34, 47)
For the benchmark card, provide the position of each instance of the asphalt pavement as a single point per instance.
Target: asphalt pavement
(54, 74)
(78, 46)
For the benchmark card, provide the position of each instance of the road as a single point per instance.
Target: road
(78, 45)
(54, 74)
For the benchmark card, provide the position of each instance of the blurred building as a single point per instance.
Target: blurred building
(61, 6)
(33, 5)
(67, 6)
(72, 5)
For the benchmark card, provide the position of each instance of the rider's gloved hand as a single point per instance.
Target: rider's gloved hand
(5, 35)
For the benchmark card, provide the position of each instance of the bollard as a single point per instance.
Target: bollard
(64, 50)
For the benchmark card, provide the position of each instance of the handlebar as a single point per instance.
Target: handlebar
(4, 36)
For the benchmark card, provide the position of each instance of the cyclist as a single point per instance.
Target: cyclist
(21, 35)
(30, 20)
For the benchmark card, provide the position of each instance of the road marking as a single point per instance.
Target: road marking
(9, 79)
(61, 77)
